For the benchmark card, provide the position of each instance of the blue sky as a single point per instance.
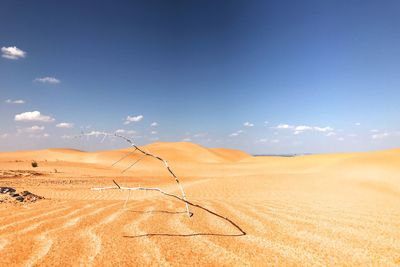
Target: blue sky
(262, 76)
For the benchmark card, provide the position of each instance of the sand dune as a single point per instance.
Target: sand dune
(340, 209)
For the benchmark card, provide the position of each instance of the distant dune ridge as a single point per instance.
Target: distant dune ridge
(338, 209)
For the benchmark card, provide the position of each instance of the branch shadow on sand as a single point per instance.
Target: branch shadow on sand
(176, 235)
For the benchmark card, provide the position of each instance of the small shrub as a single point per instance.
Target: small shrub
(34, 164)
(55, 171)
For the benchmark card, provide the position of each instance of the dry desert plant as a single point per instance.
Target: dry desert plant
(165, 163)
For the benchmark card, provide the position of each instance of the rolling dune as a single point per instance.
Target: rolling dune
(341, 209)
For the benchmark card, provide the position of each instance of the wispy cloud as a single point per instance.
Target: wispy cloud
(357, 124)
(284, 126)
(331, 134)
(122, 131)
(33, 129)
(12, 52)
(384, 135)
(44, 135)
(48, 80)
(3, 136)
(19, 101)
(153, 132)
(302, 128)
(96, 133)
(237, 133)
(154, 124)
(248, 124)
(65, 125)
(130, 119)
(186, 139)
(323, 129)
(33, 116)
(201, 134)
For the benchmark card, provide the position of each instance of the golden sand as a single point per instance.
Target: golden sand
(340, 209)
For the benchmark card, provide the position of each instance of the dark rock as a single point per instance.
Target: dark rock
(14, 194)
(6, 190)
(20, 198)
(25, 193)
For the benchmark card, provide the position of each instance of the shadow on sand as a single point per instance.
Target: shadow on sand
(175, 235)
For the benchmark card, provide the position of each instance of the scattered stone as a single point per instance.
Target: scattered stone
(20, 198)
(6, 190)
(11, 194)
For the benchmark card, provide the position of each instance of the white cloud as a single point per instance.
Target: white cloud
(154, 132)
(323, 129)
(96, 133)
(186, 140)
(122, 131)
(19, 101)
(33, 116)
(303, 128)
(331, 134)
(65, 125)
(12, 52)
(340, 139)
(275, 141)
(130, 119)
(248, 124)
(374, 131)
(4, 135)
(236, 133)
(49, 80)
(357, 124)
(266, 122)
(154, 124)
(352, 135)
(284, 126)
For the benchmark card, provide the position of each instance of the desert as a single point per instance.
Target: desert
(331, 209)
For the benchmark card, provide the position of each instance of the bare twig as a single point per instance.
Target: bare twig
(145, 153)
(176, 197)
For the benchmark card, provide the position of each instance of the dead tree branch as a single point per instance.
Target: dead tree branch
(174, 196)
(145, 153)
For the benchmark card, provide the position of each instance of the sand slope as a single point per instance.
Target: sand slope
(340, 209)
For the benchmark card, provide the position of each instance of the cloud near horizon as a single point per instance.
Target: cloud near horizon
(18, 101)
(65, 125)
(33, 129)
(33, 116)
(12, 52)
(248, 124)
(302, 128)
(130, 119)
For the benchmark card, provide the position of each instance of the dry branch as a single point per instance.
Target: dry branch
(145, 153)
(171, 195)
